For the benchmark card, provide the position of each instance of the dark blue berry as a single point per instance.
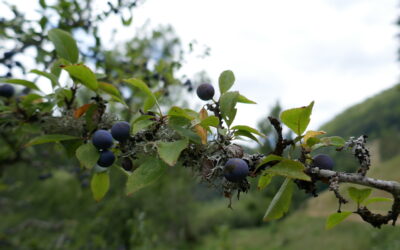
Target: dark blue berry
(236, 170)
(6, 90)
(102, 139)
(106, 159)
(205, 91)
(120, 131)
(323, 161)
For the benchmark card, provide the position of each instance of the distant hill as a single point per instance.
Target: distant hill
(372, 117)
(378, 117)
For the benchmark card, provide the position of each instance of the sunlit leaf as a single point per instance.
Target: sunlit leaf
(65, 45)
(297, 119)
(83, 74)
(99, 185)
(359, 195)
(376, 199)
(264, 180)
(336, 218)
(243, 99)
(311, 134)
(226, 80)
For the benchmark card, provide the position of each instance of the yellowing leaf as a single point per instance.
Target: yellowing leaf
(81, 110)
(203, 114)
(311, 133)
(202, 132)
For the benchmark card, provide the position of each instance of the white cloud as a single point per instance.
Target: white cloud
(336, 52)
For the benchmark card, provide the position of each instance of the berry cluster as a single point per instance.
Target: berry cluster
(236, 169)
(103, 140)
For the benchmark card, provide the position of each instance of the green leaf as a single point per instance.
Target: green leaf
(170, 151)
(152, 100)
(186, 133)
(280, 204)
(226, 80)
(149, 102)
(87, 155)
(243, 99)
(180, 112)
(42, 3)
(50, 76)
(264, 180)
(148, 172)
(311, 134)
(248, 129)
(100, 184)
(141, 124)
(297, 119)
(49, 138)
(210, 121)
(359, 195)
(83, 74)
(335, 141)
(28, 99)
(111, 90)
(289, 168)
(65, 45)
(246, 134)
(227, 103)
(377, 199)
(268, 158)
(336, 218)
(71, 146)
(55, 67)
(25, 83)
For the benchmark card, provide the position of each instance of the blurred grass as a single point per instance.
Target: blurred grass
(303, 232)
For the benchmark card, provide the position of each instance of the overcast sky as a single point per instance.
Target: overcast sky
(335, 52)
